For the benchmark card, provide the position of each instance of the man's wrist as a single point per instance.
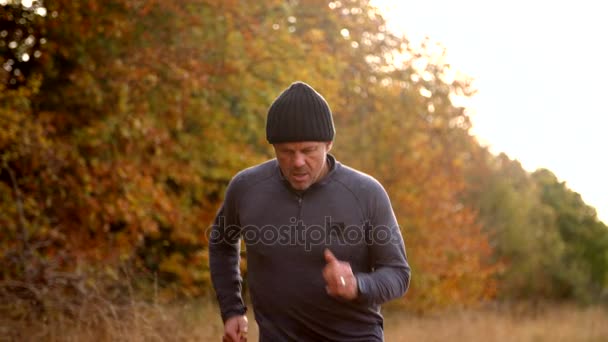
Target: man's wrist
(234, 312)
(362, 287)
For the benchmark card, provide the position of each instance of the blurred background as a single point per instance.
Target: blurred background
(538, 70)
(122, 122)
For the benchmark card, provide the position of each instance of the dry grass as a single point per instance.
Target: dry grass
(514, 323)
(199, 321)
(134, 321)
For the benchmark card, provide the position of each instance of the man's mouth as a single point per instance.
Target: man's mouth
(299, 177)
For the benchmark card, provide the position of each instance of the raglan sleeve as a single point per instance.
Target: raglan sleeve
(391, 273)
(224, 255)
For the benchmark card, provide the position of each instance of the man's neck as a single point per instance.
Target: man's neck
(326, 169)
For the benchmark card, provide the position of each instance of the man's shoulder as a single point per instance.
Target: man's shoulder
(357, 181)
(255, 174)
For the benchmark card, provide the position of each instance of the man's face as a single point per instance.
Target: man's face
(302, 163)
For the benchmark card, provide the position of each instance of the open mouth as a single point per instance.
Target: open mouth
(299, 177)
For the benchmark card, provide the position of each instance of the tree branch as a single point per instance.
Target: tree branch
(25, 253)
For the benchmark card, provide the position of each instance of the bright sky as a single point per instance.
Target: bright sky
(541, 71)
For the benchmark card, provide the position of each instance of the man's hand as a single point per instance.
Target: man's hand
(339, 277)
(235, 329)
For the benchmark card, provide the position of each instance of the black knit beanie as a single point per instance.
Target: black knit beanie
(299, 114)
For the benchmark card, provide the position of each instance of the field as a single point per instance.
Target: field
(553, 323)
(200, 322)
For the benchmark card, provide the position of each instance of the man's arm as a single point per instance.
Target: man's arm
(391, 273)
(224, 260)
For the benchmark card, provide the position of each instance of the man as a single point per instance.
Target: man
(323, 246)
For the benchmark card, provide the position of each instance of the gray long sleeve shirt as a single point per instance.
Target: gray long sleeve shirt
(285, 234)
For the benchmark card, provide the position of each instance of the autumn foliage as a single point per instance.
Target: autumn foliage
(123, 125)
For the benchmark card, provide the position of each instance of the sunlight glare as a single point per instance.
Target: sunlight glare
(425, 92)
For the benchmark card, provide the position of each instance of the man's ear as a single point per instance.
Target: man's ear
(329, 145)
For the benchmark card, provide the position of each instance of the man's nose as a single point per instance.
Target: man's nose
(299, 160)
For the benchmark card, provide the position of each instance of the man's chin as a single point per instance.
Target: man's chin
(299, 186)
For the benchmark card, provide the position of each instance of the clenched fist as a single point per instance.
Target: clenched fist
(339, 278)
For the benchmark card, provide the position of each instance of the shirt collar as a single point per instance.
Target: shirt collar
(334, 165)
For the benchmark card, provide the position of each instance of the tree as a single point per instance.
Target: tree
(584, 267)
(123, 136)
